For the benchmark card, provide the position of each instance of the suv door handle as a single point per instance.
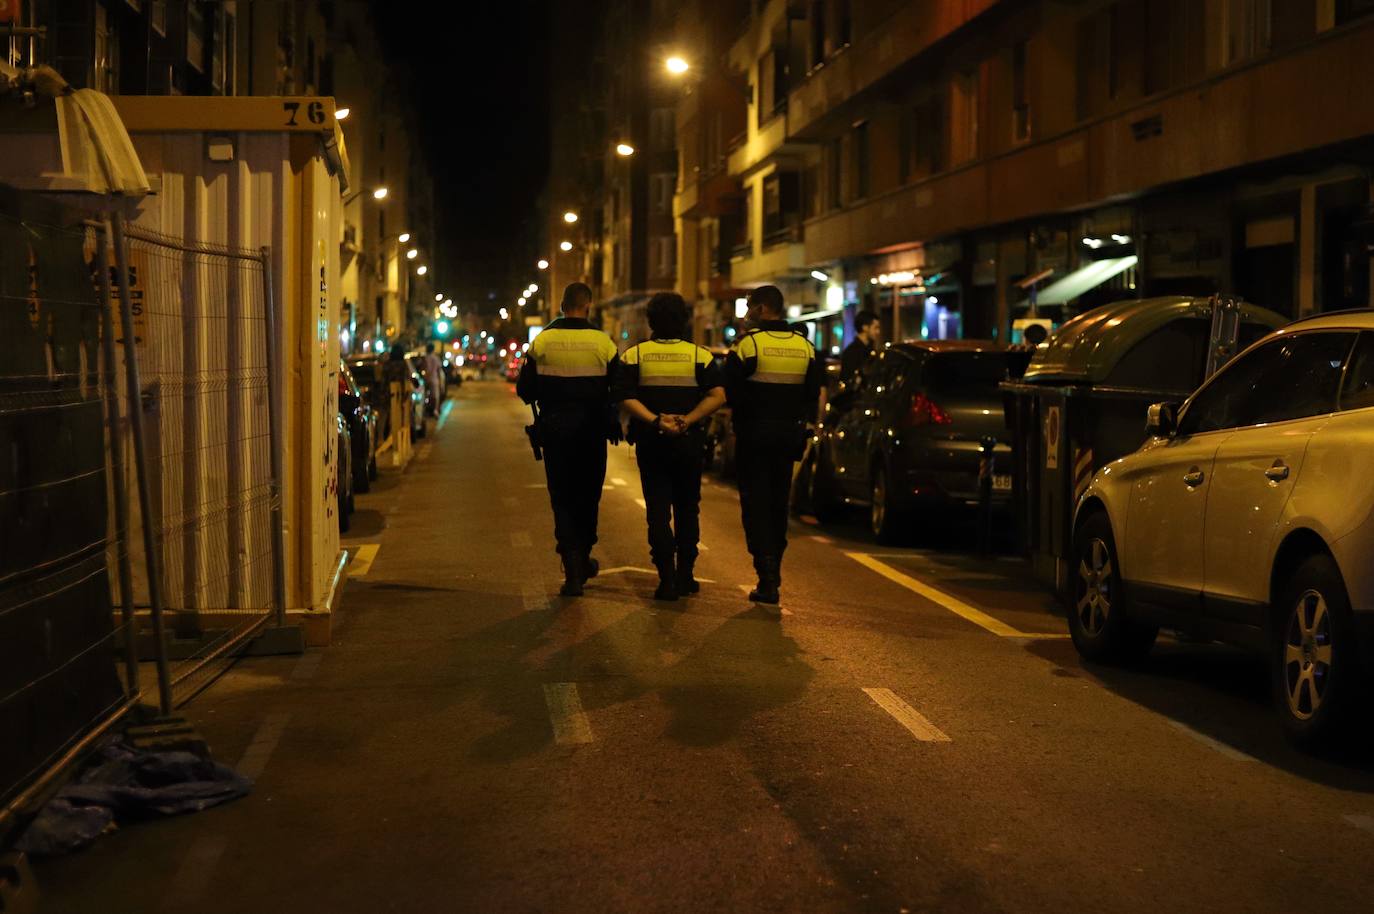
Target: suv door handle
(1194, 478)
(1278, 472)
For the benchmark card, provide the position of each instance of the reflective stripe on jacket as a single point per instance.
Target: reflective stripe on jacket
(570, 362)
(773, 377)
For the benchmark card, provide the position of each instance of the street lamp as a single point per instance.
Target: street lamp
(403, 237)
(520, 301)
(624, 149)
(676, 65)
(570, 217)
(533, 287)
(341, 113)
(565, 246)
(543, 264)
(438, 296)
(421, 270)
(380, 193)
(412, 253)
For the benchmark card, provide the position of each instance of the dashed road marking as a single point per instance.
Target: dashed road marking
(616, 480)
(640, 502)
(1216, 745)
(940, 598)
(363, 557)
(521, 538)
(635, 569)
(536, 485)
(907, 716)
(264, 742)
(570, 724)
(822, 539)
(192, 877)
(1365, 823)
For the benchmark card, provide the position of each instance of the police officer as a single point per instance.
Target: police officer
(668, 386)
(773, 381)
(568, 372)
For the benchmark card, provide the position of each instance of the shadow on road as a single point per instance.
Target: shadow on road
(1223, 693)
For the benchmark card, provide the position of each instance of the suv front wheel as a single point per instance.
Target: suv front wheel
(1315, 661)
(1099, 618)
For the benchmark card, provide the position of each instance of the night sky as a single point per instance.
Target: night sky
(479, 78)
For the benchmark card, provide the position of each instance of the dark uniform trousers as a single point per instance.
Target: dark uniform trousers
(670, 475)
(764, 456)
(575, 465)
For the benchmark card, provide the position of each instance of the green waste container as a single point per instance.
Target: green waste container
(1082, 401)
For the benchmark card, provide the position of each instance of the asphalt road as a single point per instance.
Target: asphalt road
(912, 733)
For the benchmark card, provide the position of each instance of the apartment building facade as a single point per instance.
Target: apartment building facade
(959, 165)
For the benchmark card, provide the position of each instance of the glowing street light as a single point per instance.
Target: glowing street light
(438, 296)
(380, 193)
(676, 65)
(521, 301)
(534, 288)
(412, 253)
(543, 264)
(421, 270)
(565, 246)
(570, 217)
(341, 113)
(403, 237)
(505, 315)
(624, 149)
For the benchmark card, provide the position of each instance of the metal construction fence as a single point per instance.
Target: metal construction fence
(142, 477)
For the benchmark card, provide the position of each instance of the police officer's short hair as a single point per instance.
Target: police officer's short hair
(577, 295)
(667, 314)
(769, 298)
(863, 319)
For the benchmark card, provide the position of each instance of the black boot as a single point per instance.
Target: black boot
(685, 581)
(590, 566)
(573, 575)
(667, 582)
(767, 589)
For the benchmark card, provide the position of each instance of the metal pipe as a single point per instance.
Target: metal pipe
(274, 375)
(145, 495)
(121, 494)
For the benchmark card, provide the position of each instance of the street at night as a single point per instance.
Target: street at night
(712, 455)
(471, 741)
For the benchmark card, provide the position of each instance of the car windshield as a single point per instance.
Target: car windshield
(966, 372)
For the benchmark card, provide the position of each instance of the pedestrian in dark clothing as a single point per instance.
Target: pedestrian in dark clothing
(773, 381)
(568, 373)
(867, 334)
(668, 386)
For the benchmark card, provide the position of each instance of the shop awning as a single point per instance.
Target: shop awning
(1062, 291)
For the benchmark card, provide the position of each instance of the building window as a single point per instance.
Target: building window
(781, 207)
(106, 52)
(835, 165)
(773, 85)
(963, 118)
(861, 161)
(1020, 95)
(1247, 26)
(662, 128)
(195, 36)
(157, 16)
(817, 33)
(665, 255)
(661, 187)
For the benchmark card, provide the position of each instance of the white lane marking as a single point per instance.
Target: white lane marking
(1365, 823)
(363, 557)
(570, 724)
(703, 547)
(940, 598)
(634, 569)
(188, 885)
(640, 502)
(907, 716)
(264, 742)
(822, 539)
(1213, 744)
(616, 480)
(533, 596)
(521, 538)
(536, 485)
(307, 666)
(510, 501)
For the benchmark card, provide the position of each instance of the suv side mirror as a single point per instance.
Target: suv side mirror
(1161, 421)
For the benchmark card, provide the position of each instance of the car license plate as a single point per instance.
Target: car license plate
(1001, 482)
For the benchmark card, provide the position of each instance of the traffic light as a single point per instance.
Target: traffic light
(441, 328)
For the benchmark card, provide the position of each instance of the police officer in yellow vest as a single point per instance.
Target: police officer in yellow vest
(568, 371)
(668, 386)
(774, 383)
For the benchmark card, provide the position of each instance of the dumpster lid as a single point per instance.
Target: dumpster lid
(1086, 349)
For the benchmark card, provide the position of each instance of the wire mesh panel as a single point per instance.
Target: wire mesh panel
(201, 325)
(59, 639)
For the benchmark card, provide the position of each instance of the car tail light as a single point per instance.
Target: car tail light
(343, 387)
(925, 411)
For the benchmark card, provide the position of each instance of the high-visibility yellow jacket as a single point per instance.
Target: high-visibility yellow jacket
(569, 364)
(772, 378)
(667, 376)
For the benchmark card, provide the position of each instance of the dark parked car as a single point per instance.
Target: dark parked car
(362, 427)
(909, 433)
(343, 471)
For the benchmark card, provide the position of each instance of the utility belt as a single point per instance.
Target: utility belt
(791, 436)
(573, 420)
